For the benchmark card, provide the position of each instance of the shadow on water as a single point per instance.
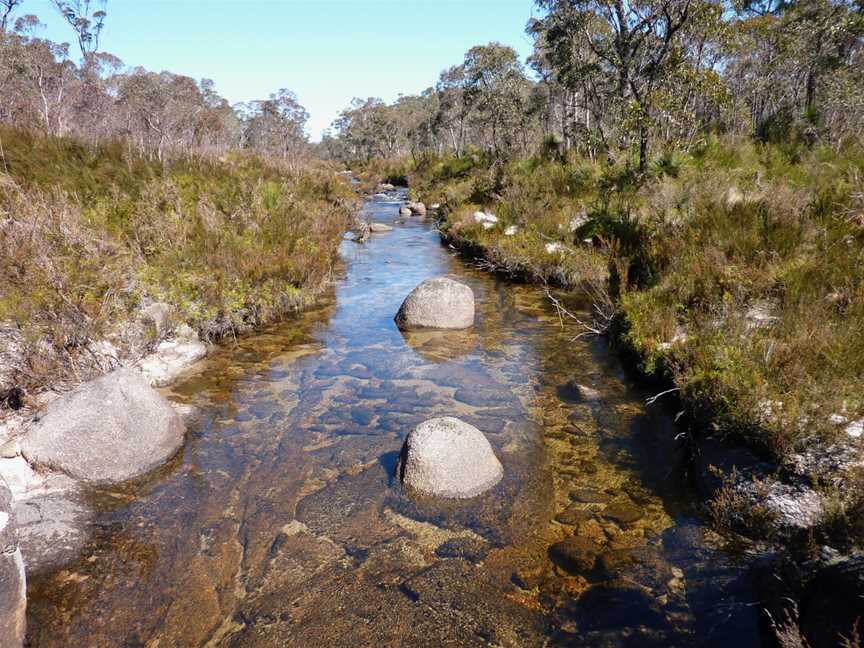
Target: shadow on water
(281, 522)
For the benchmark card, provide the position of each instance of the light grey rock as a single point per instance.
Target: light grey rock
(578, 221)
(733, 196)
(379, 227)
(13, 585)
(417, 208)
(446, 457)
(760, 315)
(405, 211)
(108, 430)
(53, 527)
(483, 217)
(172, 357)
(438, 303)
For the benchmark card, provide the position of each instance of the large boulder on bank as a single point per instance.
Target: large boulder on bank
(438, 303)
(446, 457)
(13, 588)
(109, 430)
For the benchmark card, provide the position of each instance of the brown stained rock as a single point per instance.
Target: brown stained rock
(576, 555)
(573, 515)
(623, 512)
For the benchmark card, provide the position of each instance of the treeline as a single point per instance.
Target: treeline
(160, 113)
(613, 78)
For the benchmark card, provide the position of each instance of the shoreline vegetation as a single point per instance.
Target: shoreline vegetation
(96, 235)
(729, 275)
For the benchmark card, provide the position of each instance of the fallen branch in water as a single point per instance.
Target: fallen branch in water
(602, 305)
(590, 329)
(653, 399)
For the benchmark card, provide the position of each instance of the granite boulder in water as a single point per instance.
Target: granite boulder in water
(438, 303)
(446, 457)
(109, 430)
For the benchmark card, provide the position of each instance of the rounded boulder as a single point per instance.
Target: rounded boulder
(107, 431)
(446, 457)
(438, 303)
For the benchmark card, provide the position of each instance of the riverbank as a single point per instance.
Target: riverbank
(114, 260)
(111, 251)
(731, 279)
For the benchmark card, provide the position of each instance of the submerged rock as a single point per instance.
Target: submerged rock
(573, 515)
(109, 430)
(623, 512)
(54, 524)
(470, 549)
(589, 496)
(576, 555)
(446, 457)
(13, 587)
(578, 393)
(438, 303)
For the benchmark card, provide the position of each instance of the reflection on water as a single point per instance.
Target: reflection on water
(281, 524)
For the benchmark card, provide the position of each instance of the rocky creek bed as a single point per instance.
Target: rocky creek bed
(280, 521)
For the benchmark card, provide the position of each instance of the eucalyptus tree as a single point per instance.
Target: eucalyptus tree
(87, 18)
(6, 9)
(496, 93)
(797, 65)
(620, 51)
(277, 125)
(369, 129)
(452, 114)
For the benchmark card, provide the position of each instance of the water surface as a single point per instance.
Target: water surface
(280, 523)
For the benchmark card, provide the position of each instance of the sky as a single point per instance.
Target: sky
(326, 51)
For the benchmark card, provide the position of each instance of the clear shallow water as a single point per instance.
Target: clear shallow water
(280, 523)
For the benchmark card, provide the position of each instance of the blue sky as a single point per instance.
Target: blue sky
(327, 51)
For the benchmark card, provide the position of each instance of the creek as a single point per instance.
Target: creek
(280, 523)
